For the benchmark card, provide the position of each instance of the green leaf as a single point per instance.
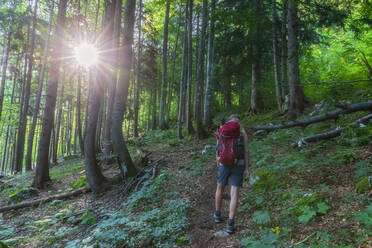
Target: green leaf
(307, 214)
(323, 208)
(261, 217)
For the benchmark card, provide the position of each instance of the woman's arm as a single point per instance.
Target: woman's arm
(246, 154)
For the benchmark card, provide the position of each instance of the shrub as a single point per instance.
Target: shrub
(363, 186)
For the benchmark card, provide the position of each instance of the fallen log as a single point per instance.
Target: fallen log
(330, 115)
(44, 200)
(330, 134)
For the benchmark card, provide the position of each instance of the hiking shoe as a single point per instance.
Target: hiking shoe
(217, 216)
(230, 226)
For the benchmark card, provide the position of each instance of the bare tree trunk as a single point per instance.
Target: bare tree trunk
(42, 169)
(31, 135)
(284, 74)
(154, 107)
(138, 73)
(163, 95)
(5, 62)
(276, 56)
(188, 69)
(24, 110)
(182, 93)
(125, 161)
(210, 58)
(296, 95)
(256, 97)
(94, 175)
(58, 121)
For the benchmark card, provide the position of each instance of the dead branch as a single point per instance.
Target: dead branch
(330, 134)
(330, 115)
(46, 199)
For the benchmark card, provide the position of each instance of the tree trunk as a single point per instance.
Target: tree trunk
(125, 161)
(23, 112)
(163, 96)
(93, 173)
(284, 74)
(154, 104)
(31, 135)
(138, 73)
(296, 95)
(58, 121)
(188, 69)
(256, 97)
(276, 57)
(182, 93)
(210, 57)
(5, 63)
(42, 169)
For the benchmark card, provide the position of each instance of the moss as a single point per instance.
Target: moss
(22, 195)
(307, 200)
(363, 186)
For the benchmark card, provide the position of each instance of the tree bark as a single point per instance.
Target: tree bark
(163, 96)
(209, 87)
(126, 164)
(182, 93)
(42, 168)
(276, 57)
(188, 69)
(58, 121)
(363, 106)
(31, 135)
(24, 110)
(256, 97)
(296, 95)
(199, 82)
(284, 72)
(138, 73)
(5, 62)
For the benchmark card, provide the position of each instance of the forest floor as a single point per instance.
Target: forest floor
(309, 197)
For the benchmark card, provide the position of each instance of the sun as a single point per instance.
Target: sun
(85, 54)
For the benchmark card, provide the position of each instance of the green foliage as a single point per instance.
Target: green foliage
(362, 169)
(3, 245)
(323, 208)
(363, 186)
(156, 227)
(307, 214)
(60, 172)
(267, 239)
(307, 201)
(365, 217)
(261, 217)
(5, 231)
(344, 155)
(265, 181)
(79, 183)
(88, 218)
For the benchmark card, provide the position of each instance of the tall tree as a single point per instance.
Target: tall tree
(188, 68)
(284, 71)
(210, 57)
(125, 161)
(26, 97)
(276, 56)
(199, 82)
(256, 97)
(42, 168)
(296, 95)
(138, 72)
(31, 135)
(5, 58)
(163, 96)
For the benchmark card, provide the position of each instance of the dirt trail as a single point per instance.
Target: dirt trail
(201, 198)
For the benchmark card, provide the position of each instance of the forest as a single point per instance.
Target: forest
(109, 112)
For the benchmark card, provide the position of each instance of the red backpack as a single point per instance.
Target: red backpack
(227, 147)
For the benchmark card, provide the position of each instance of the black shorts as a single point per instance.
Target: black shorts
(234, 173)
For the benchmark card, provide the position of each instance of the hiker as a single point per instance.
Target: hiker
(233, 162)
